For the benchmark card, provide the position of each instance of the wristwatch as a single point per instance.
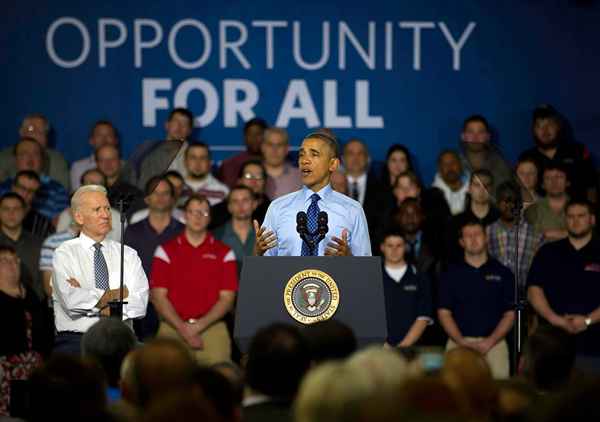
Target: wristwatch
(588, 321)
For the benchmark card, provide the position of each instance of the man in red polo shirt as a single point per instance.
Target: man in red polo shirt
(193, 285)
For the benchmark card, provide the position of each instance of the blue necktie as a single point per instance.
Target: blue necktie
(100, 268)
(312, 213)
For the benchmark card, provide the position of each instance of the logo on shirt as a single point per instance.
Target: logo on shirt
(493, 277)
(209, 256)
(592, 266)
(410, 287)
(311, 296)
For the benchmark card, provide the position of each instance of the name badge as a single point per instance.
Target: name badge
(493, 278)
(410, 288)
(593, 267)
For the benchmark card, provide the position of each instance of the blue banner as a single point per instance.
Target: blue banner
(387, 72)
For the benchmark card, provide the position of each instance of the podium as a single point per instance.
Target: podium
(304, 290)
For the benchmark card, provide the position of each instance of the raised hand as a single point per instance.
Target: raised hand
(265, 239)
(339, 247)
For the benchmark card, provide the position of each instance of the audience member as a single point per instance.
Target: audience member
(278, 358)
(37, 127)
(220, 393)
(397, 161)
(476, 301)
(330, 340)
(26, 185)
(253, 138)
(198, 177)
(183, 405)
(107, 342)
(339, 182)
(407, 294)
(282, 176)
(564, 284)
(238, 233)
(28, 246)
(177, 182)
(147, 235)
(504, 234)
(103, 133)
(547, 216)
(528, 173)
(452, 180)
(51, 198)
(86, 272)
(552, 147)
(27, 330)
(194, 282)
(108, 159)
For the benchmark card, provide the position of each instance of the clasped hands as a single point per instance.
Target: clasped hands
(266, 239)
(573, 324)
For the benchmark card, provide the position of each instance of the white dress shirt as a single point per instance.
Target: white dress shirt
(75, 259)
(361, 184)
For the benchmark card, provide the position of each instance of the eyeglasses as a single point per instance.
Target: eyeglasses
(250, 176)
(199, 213)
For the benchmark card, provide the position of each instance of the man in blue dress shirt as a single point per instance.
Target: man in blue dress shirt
(348, 232)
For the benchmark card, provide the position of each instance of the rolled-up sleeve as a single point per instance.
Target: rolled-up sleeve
(360, 243)
(137, 284)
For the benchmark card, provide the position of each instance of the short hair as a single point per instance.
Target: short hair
(507, 187)
(8, 249)
(412, 176)
(476, 118)
(558, 166)
(76, 198)
(278, 358)
(240, 187)
(13, 195)
(583, 202)
(108, 341)
(195, 197)
(38, 116)
(102, 122)
(394, 231)
(256, 121)
(183, 111)
(546, 111)
(97, 151)
(154, 181)
(175, 174)
(24, 139)
(217, 389)
(329, 340)
(482, 173)
(356, 141)
(549, 357)
(197, 144)
(94, 170)
(277, 131)
(330, 140)
(30, 174)
(448, 151)
(528, 158)
(253, 162)
(470, 222)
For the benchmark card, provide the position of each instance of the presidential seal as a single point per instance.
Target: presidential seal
(311, 296)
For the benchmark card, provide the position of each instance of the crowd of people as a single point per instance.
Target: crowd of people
(486, 247)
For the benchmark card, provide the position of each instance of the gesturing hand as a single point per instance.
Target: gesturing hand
(339, 247)
(265, 239)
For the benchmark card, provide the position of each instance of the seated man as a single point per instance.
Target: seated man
(194, 282)
(37, 127)
(26, 185)
(407, 294)
(51, 198)
(86, 272)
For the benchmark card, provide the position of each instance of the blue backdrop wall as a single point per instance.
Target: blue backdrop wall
(384, 71)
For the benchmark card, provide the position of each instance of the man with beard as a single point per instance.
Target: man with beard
(452, 180)
(198, 178)
(564, 284)
(479, 153)
(476, 300)
(552, 146)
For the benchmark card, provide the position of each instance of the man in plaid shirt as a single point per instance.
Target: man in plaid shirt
(502, 236)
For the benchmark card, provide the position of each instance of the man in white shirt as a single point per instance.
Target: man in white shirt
(198, 178)
(87, 269)
(452, 180)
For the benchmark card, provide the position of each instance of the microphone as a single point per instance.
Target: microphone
(322, 220)
(301, 223)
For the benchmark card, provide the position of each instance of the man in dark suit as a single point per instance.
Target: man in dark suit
(278, 358)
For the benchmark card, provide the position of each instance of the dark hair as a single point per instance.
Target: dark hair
(385, 173)
(174, 173)
(482, 173)
(218, 391)
(412, 176)
(240, 187)
(356, 141)
(278, 358)
(581, 201)
(108, 341)
(546, 111)
(30, 174)
(256, 121)
(394, 231)
(8, 249)
(528, 158)
(94, 170)
(507, 187)
(253, 162)
(154, 181)
(449, 151)
(549, 357)
(97, 151)
(330, 339)
(556, 165)
(197, 144)
(183, 111)
(470, 222)
(328, 139)
(105, 123)
(195, 197)
(13, 195)
(476, 118)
